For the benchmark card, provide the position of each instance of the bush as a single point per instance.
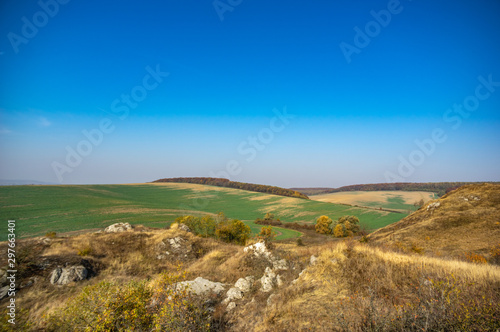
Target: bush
(495, 255)
(134, 306)
(346, 226)
(51, 235)
(323, 225)
(233, 231)
(267, 234)
(85, 251)
(339, 231)
(475, 258)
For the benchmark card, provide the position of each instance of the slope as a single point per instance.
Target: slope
(464, 220)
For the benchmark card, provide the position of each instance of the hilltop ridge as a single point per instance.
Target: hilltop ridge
(221, 182)
(464, 220)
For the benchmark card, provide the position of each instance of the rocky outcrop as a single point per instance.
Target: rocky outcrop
(202, 286)
(65, 275)
(118, 227)
(242, 286)
(176, 247)
(184, 227)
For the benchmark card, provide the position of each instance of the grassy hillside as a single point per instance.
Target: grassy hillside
(466, 219)
(40, 209)
(349, 287)
(402, 201)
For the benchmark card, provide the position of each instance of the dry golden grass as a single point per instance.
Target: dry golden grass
(466, 220)
(363, 197)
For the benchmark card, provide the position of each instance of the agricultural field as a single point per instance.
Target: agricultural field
(392, 200)
(41, 209)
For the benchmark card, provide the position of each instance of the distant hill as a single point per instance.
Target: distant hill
(464, 220)
(23, 182)
(221, 182)
(440, 188)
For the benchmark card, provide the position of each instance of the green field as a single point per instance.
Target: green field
(40, 209)
(402, 201)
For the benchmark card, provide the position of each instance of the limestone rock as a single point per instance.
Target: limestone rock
(233, 293)
(268, 280)
(118, 227)
(244, 284)
(313, 260)
(433, 206)
(184, 227)
(202, 286)
(231, 306)
(65, 275)
(3, 292)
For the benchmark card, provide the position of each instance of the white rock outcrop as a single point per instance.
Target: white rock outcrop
(118, 227)
(433, 205)
(268, 280)
(259, 250)
(245, 284)
(202, 286)
(65, 275)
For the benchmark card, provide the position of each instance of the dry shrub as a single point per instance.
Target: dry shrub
(358, 288)
(475, 258)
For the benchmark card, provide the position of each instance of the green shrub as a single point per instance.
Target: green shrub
(134, 306)
(233, 231)
(85, 251)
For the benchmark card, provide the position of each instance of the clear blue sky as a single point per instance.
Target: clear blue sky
(356, 103)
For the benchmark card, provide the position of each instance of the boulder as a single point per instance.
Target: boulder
(118, 227)
(231, 306)
(268, 280)
(3, 292)
(177, 247)
(202, 286)
(233, 293)
(244, 284)
(184, 227)
(313, 260)
(65, 275)
(433, 205)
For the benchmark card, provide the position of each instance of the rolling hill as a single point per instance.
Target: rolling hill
(41, 209)
(464, 220)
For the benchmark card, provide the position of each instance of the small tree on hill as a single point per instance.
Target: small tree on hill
(267, 234)
(323, 225)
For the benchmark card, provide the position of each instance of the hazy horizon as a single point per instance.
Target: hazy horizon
(306, 94)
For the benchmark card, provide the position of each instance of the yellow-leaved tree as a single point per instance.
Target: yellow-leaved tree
(323, 225)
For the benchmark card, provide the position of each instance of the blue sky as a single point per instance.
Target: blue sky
(353, 118)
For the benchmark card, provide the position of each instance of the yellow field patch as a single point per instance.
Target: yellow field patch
(364, 197)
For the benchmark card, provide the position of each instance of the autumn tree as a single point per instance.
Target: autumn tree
(346, 226)
(323, 225)
(267, 234)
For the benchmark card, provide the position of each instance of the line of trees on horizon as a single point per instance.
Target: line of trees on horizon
(221, 182)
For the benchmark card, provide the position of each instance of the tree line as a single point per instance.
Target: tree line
(221, 182)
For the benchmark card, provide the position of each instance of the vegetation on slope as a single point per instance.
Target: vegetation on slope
(347, 287)
(440, 188)
(221, 182)
(463, 221)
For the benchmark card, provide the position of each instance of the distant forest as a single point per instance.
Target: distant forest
(440, 188)
(220, 182)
